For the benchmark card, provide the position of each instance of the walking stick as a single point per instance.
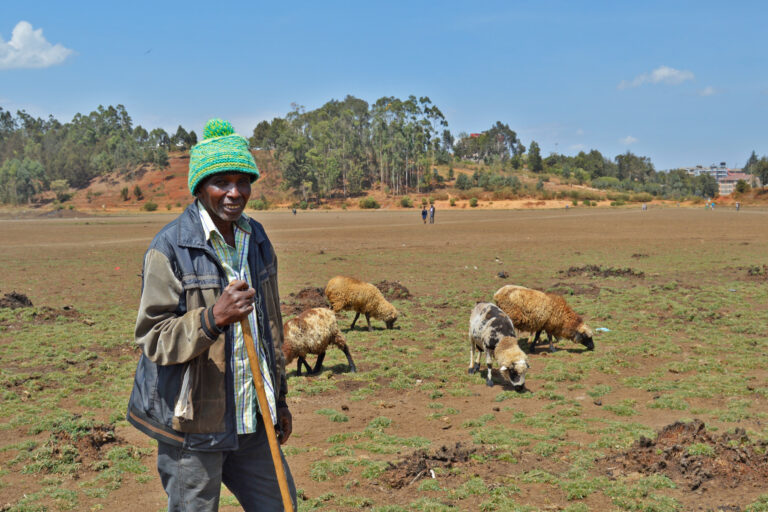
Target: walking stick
(266, 417)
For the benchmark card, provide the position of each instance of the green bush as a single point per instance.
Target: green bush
(368, 203)
(124, 194)
(259, 204)
(453, 201)
(406, 202)
(473, 202)
(150, 206)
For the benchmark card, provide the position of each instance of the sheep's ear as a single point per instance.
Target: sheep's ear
(527, 364)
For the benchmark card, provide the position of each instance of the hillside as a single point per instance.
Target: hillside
(168, 189)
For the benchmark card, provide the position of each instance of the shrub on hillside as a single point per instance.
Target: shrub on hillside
(124, 194)
(258, 204)
(368, 203)
(473, 202)
(150, 206)
(406, 202)
(452, 202)
(642, 197)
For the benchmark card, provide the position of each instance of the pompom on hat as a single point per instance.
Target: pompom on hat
(221, 150)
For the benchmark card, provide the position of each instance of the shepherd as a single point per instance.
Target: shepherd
(210, 385)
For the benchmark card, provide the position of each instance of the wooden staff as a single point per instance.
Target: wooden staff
(266, 417)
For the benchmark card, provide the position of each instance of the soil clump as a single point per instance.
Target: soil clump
(689, 455)
(304, 299)
(15, 300)
(393, 290)
(418, 465)
(598, 271)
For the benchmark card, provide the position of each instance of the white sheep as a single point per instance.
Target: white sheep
(347, 293)
(310, 333)
(535, 311)
(491, 331)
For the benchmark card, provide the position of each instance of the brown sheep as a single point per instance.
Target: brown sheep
(310, 333)
(535, 311)
(349, 294)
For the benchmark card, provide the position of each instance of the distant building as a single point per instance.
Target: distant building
(727, 185)
(719, 172)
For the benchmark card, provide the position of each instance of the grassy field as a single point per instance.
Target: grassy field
(681, 295)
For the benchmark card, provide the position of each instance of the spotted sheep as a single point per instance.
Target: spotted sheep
(491, 331)
(534, 311)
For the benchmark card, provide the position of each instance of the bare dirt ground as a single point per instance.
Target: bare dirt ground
(435, 274)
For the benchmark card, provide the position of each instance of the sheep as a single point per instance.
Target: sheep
(347, 293)
(492, 331)
(535, 311)
(310, 333)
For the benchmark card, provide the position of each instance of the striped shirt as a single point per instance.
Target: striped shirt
(235, 263)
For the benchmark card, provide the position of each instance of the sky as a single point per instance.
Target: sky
(684, 83)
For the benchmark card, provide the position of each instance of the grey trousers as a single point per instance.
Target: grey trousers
(192, 479)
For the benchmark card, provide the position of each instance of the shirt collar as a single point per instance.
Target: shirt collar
(209, 227)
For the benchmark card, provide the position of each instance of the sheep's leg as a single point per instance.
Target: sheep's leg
(489, 364)
(551, 346)
(532, 346)
(368, 319)
(474, 365)
(357, 315)
(318, 364)
(299, 362)
(352, 367)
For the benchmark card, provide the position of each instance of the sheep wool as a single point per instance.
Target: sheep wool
(349, 294)
(535, 311)
(310, 333)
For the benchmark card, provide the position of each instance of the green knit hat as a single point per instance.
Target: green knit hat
(221, 150)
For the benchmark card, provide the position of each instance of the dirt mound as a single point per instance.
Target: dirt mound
(306, 298)
(90, 443)
(757, 272)
(640, 255)
(393, 290)
(15, 300)
(417, 466)
(598, 271)
(687, 454)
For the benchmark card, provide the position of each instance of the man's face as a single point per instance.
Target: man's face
(225, 195)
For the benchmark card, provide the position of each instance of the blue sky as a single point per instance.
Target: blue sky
(684, 83)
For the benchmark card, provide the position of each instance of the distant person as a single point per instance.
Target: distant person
(432, 214)
(294, 211)
(645, 207)
(738, 205)
(424, 214)
(193, 392)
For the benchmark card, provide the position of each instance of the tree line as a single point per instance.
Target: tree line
(37, 154)
(343, 148)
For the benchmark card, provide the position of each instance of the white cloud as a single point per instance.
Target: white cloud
(708, 91)
(579, 132)
(628, 140)
(660, 75)
(28, 48)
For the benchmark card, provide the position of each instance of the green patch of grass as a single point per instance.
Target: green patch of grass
(701, 449)
(623, 408)
(333, 415)
(669, 402)
(323, 470)
(479, 422)
(599, 390)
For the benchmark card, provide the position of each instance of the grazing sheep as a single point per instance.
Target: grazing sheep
(535, 311)
(492, 331)
(310, 333)
(346, 293)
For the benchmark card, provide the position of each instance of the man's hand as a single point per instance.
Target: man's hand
(284, 424)
(235, 303)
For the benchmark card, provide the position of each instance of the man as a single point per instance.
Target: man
(193, 392)
(432, 214)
